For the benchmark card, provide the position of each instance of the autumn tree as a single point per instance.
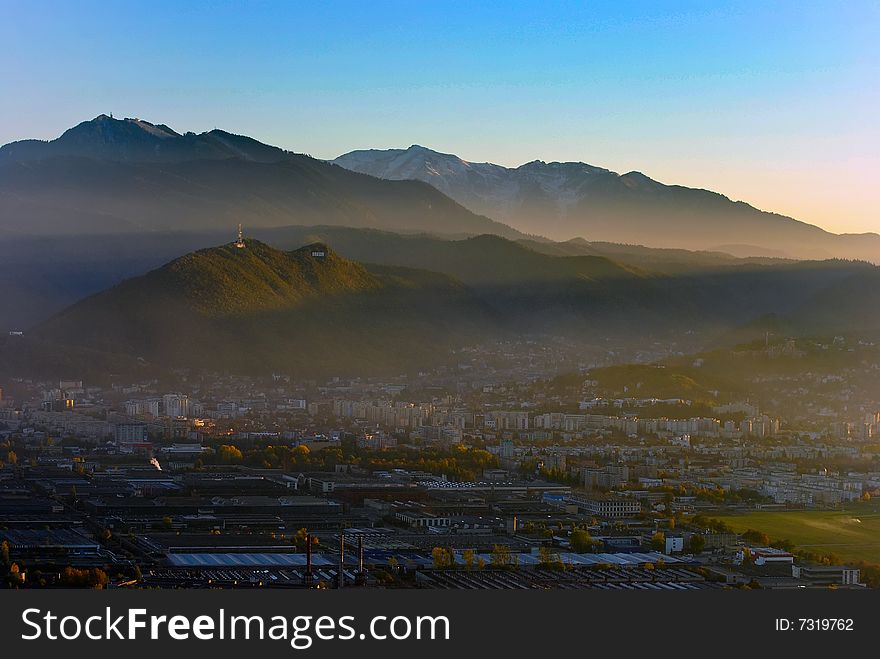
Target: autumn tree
(549, 558)
(783, 544)
(228, 453)
(502, 557)
(16, 575)
(94, 577)
(658, 541)
(301, 537)
(580, 541)
(443, 557)
(756, 537)
(696, 544)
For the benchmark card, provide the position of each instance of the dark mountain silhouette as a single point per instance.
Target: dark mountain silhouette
(39, 277)
(140, 141)
(563, 200)
(257, 309)
(313, 311)
(850, 305)
(110, 176)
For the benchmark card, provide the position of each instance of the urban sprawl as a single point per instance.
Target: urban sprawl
(436, 481)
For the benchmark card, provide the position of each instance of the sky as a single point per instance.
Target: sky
(774, 103)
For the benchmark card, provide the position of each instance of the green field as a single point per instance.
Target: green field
(853, 534)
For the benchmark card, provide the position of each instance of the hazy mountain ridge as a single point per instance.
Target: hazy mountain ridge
(112, 199)
(622, 288)
(573, 199)
(40, 275)
(229, 280)
(257, 308)
(314, 311)
(110, 176)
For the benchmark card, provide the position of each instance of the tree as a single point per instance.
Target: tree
(300, 539)
(658, 541)
(469, 557)
(167, 522)
(549, 558)
(501, 557)
(4, 552)
(12, 458)
(95, 577)
(756, 537)
(697, 543)
(16, 575)
(228, 453)
(784, 544)
(443, 557)
(580, 541)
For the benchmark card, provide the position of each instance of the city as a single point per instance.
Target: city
(490, 472)
(519, 328)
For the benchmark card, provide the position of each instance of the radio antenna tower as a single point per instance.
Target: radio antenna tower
(240, 242)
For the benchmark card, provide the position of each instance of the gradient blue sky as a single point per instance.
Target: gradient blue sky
(775, 103)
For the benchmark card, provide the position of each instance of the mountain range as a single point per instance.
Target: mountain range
(311, 311)
(564, 200)
(107, 261)
(110, 176)
(41, 275)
